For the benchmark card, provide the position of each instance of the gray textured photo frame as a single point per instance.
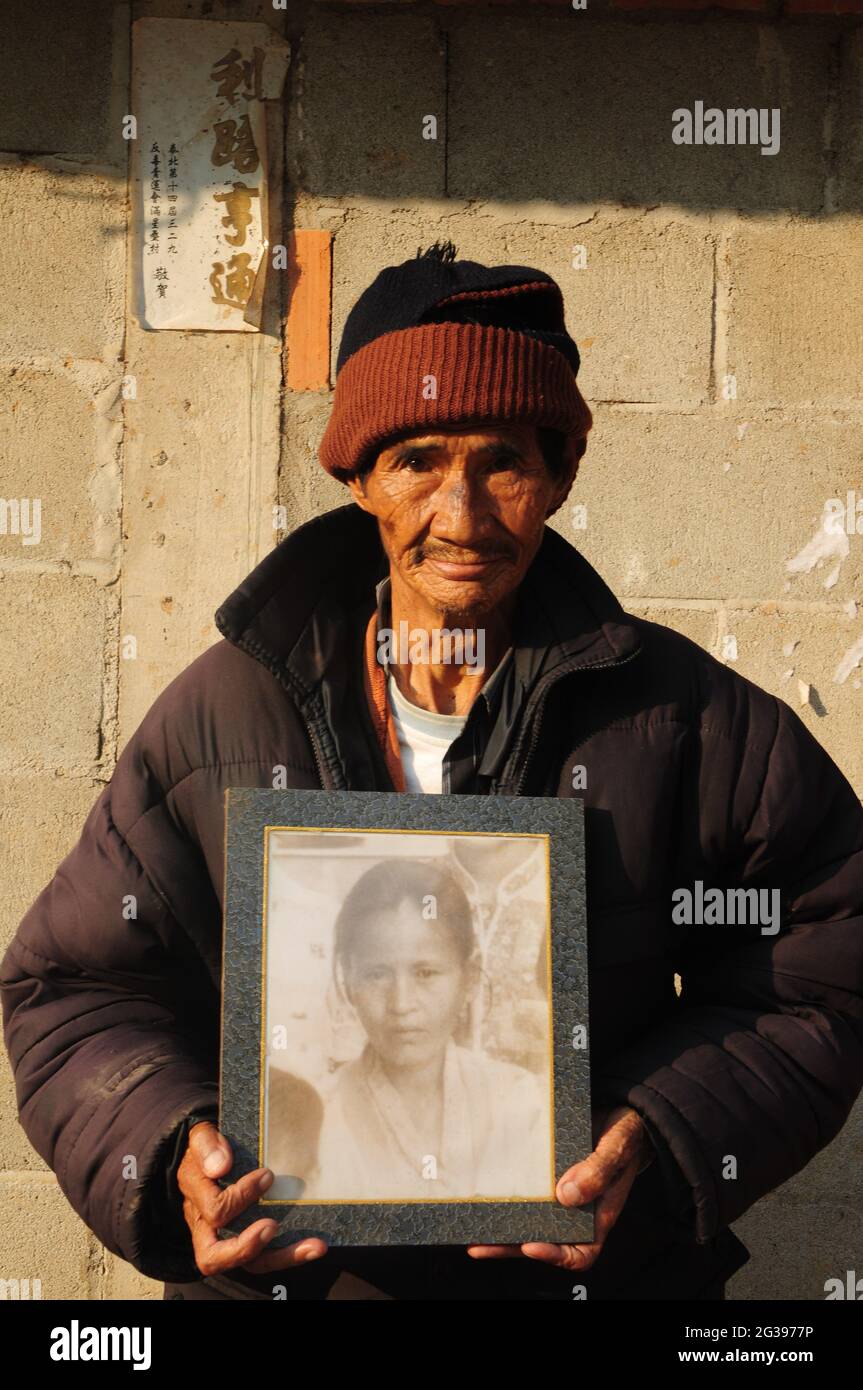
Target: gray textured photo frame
(251, 814)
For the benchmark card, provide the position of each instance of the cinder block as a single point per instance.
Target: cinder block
(16, 1152)
(51, 673)
(640, 309)
(698, 624)
(795, 326)
(715, 506)
(363, 89)
(53, 810)
(62, 288)
(612, 88)
(55, 68)
(306, 490)
(836, 1173)
(121, 1280)
(199, 486)
(779, 650)
(42, 1238)
(796, 1247)
(60, 431)
(847, 130)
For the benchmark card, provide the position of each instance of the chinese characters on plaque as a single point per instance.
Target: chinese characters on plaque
(200, 159)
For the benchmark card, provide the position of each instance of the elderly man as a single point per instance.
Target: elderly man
(458, 426)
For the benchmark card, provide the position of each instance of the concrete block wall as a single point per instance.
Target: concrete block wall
(154, 458)
(714, 292)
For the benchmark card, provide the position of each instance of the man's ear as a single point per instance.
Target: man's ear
(358, 492)
(572, 454)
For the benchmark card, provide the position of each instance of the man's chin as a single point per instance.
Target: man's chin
(464, 601)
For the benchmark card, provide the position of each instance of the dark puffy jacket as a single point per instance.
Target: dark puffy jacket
(692, 773)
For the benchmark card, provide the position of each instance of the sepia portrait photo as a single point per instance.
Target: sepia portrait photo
(406, 1016)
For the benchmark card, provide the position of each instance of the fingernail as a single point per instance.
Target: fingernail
(213, 1161)
(265, 1181)
(306, 1252)
(571, 1192)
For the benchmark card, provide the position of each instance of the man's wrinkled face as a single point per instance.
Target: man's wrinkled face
(461, 515)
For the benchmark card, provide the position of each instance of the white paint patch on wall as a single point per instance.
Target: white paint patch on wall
(824, 545)
(850, 661)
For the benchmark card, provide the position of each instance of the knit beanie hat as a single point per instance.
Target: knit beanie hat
(441, 342)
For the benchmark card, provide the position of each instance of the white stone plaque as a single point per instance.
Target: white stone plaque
(200, 169)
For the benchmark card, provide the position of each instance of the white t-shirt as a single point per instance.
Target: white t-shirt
(424, 738)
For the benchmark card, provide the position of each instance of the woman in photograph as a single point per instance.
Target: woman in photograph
(417, 1115)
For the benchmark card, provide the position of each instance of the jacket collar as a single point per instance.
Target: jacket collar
(298, 610)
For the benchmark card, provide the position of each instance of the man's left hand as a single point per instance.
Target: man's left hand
(605, 1177)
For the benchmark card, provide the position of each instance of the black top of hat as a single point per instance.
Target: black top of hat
(417, 291)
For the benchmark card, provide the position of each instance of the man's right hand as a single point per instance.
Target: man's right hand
(207, 1207)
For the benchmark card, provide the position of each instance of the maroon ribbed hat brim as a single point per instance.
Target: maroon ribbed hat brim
(446, 374)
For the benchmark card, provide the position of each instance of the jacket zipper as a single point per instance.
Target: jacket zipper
(534, 734)
(313, 741)
(313, 726)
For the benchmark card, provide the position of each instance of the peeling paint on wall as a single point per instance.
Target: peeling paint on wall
(850, 661)
(824, 545)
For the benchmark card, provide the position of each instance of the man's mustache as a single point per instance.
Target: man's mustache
(471, 557)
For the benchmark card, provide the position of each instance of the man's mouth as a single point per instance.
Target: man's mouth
(465, 569)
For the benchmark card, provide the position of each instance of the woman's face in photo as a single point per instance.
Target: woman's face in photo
(408, 983)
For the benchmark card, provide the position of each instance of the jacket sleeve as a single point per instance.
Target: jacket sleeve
(103, 994)
(759, 1066)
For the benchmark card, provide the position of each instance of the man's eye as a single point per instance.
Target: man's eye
(415, 463)
(503, 463)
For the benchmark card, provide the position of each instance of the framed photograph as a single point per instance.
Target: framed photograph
(404, 1029)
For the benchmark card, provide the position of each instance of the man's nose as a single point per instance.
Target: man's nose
(459, 508)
